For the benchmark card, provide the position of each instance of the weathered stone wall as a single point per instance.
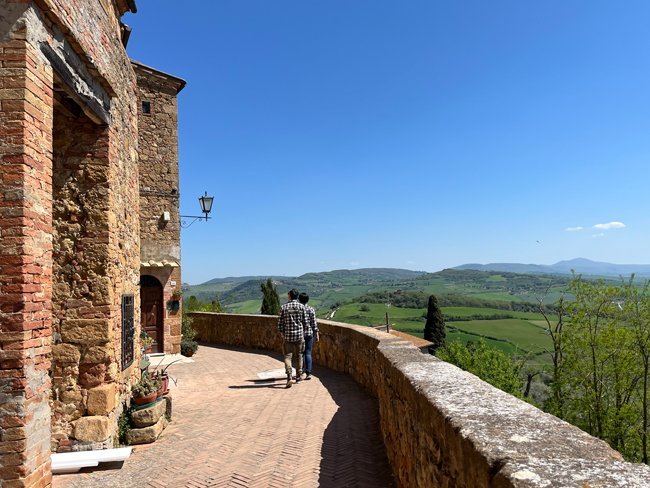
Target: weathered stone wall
(71, 47)
(442, 426)
(84, 366)
(159, 188)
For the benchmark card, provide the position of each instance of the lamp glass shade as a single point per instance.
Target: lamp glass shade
(206, 203)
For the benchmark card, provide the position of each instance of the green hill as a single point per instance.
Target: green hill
(382, 285)
(501, 307)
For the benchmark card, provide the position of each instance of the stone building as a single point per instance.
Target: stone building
(160, 237)
(70, 247)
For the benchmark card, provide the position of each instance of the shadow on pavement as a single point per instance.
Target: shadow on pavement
(353, 452)
(246, 387)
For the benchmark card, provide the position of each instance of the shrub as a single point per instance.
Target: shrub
(187, 331)
(188, 348)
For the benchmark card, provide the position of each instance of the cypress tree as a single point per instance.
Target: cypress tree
(271, 300)
(215, 305)
(434, 328)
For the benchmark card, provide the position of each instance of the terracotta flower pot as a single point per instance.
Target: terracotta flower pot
(143, 400)
(164, 384)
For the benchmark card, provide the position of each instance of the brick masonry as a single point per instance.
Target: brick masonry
(69, 230)
(443, 426)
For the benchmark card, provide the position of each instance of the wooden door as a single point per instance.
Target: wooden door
(151, 308)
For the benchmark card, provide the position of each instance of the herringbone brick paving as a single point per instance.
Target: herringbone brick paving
(232, 430)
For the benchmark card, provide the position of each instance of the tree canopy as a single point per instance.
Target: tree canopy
(434, 328)
(270, 300)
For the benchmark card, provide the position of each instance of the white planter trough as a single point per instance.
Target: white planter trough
(71, 462)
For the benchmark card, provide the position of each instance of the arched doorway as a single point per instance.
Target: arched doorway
(152, 310)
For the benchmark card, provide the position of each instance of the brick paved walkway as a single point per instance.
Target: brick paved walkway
(231, 429)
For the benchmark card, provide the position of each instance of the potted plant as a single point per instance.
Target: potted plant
(146, 341)
(162, 376)
(188, 347)
(174, 301)
(146, 390)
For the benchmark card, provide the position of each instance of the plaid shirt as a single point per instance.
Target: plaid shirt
(312, 327)
(293, 321)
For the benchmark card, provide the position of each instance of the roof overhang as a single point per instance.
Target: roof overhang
(177, 83)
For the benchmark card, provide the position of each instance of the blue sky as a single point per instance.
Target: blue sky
(420, 134)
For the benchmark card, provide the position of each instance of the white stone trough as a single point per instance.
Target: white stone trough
(71, 462)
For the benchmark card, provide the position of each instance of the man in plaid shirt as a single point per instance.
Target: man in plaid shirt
(292, 325)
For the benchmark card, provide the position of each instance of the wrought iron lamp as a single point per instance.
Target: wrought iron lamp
(206, 207)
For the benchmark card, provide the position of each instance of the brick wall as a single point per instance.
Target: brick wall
(25, 256)
(46, 45)
(443, 426)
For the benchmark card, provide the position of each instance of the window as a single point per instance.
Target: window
(146, 107)
(128, 331)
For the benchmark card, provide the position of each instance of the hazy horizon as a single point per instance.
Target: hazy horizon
(275, 275)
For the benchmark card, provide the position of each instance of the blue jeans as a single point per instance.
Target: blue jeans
(309, 343)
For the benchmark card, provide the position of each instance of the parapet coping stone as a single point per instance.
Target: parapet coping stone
(528, 446)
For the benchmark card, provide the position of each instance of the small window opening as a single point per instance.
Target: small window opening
(128, 331)
(146, 107)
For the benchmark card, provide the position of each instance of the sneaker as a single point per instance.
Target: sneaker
(299, 379)
(289, 381)
(308, 376)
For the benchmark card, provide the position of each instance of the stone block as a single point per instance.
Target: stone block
(65, 354)
(146, 435)
(150, 415)
(113, 373)
(91, 375)
(101, 400)
(98, 354)
(86, 331)
(92, 429)
(168, 409)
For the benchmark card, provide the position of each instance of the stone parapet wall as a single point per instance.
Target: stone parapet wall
(443, 426)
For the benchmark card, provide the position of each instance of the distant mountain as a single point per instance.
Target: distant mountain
(237, 279)
(508, 267)
(328, 286)
(579, 265)
(374, 274)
